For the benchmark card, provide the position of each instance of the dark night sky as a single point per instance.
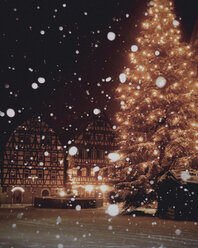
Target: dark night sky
(73, 55)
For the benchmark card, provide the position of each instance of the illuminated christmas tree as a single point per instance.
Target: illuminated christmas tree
(157, 123)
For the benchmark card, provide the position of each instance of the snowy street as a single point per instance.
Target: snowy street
(91, 228)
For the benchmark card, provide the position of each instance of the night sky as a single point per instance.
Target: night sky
(65, 42)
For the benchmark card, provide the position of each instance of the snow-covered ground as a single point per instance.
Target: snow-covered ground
(91, 228)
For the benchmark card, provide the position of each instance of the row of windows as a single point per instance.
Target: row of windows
(98, 137)
(39, 174)
(27, 156)
(32, 139)
(84, 172)
(91, 154)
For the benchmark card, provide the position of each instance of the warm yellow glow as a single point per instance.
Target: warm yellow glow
(62, 193)
(104, 188)
(75, 191)
(155, 152)
(140, 139)
(89, 188)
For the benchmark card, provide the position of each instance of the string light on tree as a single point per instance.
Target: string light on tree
(150, 136)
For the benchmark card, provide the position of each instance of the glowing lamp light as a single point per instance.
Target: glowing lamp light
(62, 193)
(113, 156)
(89, 188)
(134, 48)
(73, 150)
(113, 210)
(103, 188)
(75, 192)
(160, 82)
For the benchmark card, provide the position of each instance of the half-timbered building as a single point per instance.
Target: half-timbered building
(34, 163)
(88, 170)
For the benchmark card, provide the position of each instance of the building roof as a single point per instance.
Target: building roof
(182, 176)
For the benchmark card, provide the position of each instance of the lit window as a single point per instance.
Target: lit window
(74, 172)
(83, 172)
(26, 173)
(40, 174)
(92, 172)
(53, 174)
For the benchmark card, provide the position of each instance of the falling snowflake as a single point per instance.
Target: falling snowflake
(111, 36)
(42, 32)
(10, 112)
(134, 48)
(108, 79)
(73, 150)
(113, 210)
(177, 231)
(157, 53)
(34, 86)
(96, 111)
(122, 78)
(41, 80)
(175, 23)
(185, 175)
(160, 82)
(60, 246)
(78, 207)
(58, 220)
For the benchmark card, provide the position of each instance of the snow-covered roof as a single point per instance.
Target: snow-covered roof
(185, 176)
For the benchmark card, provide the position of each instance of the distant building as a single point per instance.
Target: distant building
(34, 163)
(88, 170)
(178, 195)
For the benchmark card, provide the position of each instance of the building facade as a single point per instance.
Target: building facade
(34, 164)
(88, 172)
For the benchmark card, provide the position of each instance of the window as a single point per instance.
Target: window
(27, 156)
(47, 140)
(92, 172)
(40, 156)
(21, 138)
(40, 174)
(45, 192)
(13, 156)
(100, 124)
(27, 139)
(53, 174)
(98, 154)
(83, 172)
(88, 153)
(26, 173)
(13, 174)
(74, 172)
(87, 137)
(54, 157)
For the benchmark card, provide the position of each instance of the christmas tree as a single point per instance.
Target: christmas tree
(157, 123)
